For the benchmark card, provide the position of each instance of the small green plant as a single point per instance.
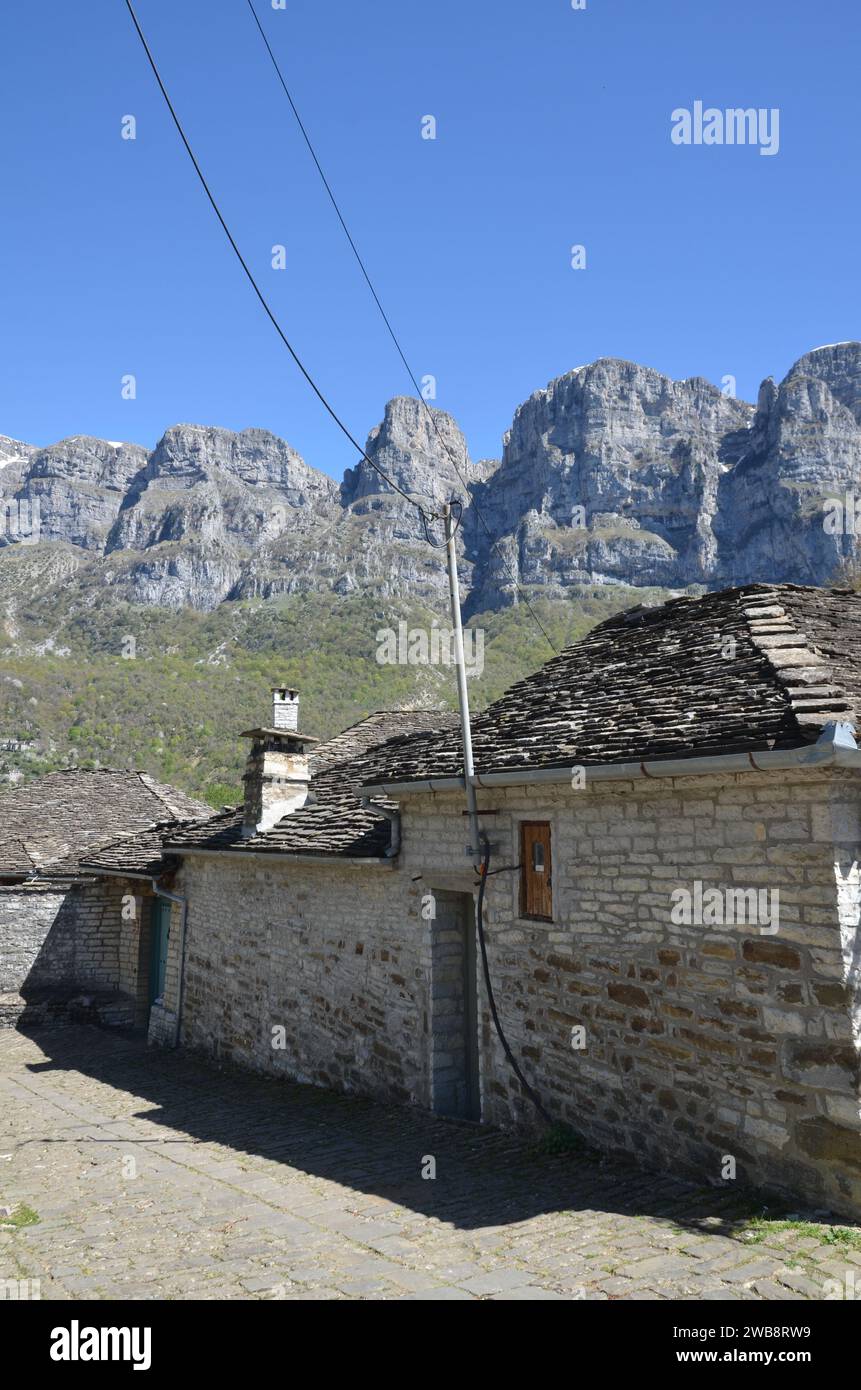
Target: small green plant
(20, 1216)
(559, 1139)
(844, 1236)
(762, 1226)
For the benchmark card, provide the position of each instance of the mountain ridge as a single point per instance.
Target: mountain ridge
(612, 474)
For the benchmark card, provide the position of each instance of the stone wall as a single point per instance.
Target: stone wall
(26, 918)
(313, 971)
(702, 1043)
(62, 946)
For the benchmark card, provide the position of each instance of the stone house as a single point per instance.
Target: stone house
(671, 906)
(75, 944)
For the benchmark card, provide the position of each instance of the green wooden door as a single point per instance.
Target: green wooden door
(159, 937)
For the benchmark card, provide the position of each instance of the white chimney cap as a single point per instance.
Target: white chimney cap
(285, 707)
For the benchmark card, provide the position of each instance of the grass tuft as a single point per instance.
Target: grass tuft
(559, 1139)
(20, 1216)
(760, 1227)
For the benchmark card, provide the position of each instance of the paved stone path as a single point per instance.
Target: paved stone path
(155, 1175)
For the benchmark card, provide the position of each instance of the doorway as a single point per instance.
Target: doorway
(159, 943)
(455, 1069)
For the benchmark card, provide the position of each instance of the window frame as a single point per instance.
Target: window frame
(528, 875)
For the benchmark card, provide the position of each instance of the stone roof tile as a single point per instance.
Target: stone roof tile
(693, 676)
(333, 823)
(62, 817)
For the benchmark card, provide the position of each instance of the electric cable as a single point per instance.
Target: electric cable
(427, 518)
(257, 290)
(387, 321)
(491, 999)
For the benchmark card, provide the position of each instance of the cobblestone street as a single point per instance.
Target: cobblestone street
(156, 1176)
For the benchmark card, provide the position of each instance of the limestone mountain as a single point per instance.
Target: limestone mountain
(613, 474)
(211, 515)
(679, 484)
(610, 472)
(803, 447)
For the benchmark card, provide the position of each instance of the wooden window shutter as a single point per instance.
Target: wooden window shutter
(536, 870)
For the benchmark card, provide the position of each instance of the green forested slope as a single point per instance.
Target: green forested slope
(176, 705)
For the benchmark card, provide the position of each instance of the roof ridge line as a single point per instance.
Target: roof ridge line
(156, 788)
(19, 840)
(803, 672)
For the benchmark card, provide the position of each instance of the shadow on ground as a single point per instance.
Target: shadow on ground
(483, 1177)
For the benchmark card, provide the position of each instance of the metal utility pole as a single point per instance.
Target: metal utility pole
(474, 846)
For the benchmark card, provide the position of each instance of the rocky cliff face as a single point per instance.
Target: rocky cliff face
(206, 500)
(803, 449)
(611, 471)
(615, 473)
(611, 474)
(426, 455)
(13, 451)
(78, 484)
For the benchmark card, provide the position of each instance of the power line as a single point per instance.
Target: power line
(385, 316)
(332, 197)
(257, 290)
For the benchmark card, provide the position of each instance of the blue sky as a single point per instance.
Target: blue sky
(553, 129)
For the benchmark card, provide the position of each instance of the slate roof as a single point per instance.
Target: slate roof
(140, 853)
(333, 824)
(60, 818)
(14, 859)
(666, 682)
(376, 729)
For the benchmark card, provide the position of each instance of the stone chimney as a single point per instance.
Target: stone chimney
(285, 708)
(277, 776)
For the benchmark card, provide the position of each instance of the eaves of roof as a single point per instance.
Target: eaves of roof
(266, 857)
(826, 753)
